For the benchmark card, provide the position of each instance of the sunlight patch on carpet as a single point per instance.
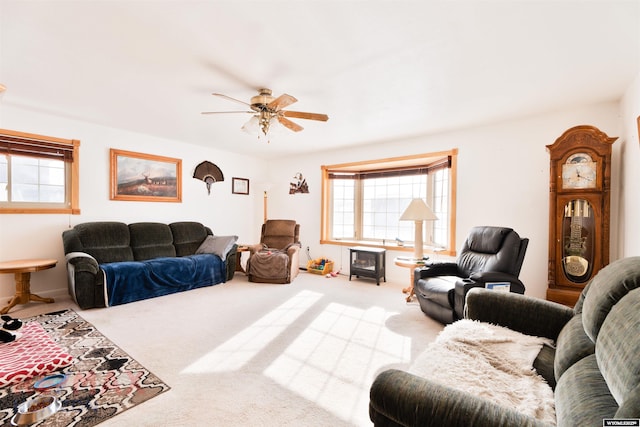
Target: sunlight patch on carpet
(242, 347)
(337, 356)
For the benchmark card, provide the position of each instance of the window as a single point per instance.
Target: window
(38, 174)
(362, 202)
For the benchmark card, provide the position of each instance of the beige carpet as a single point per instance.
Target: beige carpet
(249, 354)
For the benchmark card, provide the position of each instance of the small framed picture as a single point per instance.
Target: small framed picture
(239, 186)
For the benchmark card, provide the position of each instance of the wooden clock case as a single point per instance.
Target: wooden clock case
(579, 211)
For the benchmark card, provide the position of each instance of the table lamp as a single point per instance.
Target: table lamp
(418, 211)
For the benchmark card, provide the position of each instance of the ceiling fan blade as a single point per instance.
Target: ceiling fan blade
(289, 124)
(230, 99)
(229, 74)
(307, 116)
(281, 102)
(227, 112)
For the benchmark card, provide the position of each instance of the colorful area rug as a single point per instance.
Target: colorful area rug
(102, 381)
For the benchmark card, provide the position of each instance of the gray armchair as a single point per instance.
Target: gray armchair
(593, 368)
(489, 254)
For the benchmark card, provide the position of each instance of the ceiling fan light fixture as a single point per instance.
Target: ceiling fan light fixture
(268, 113)
(275, 127)
(262, 125)
(252, 126)
(265, 121)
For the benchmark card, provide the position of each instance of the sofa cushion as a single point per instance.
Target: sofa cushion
(151, 240)
(617, 348)
(439, 290)
(217, 245)
(105, 241)
(543, 364)
(137, 280)
(271, 264)
(577, 308)
(278, 234)
(436, 297)
(572, 345)
(582, 396)
(611, 284)
(187, 236)
(629, 408)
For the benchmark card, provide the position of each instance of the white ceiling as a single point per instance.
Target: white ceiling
(381, 70)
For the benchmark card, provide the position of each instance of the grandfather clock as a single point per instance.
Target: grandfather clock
(579, 210)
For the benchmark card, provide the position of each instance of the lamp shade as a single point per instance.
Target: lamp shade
(418, 210)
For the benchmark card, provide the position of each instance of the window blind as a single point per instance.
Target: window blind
(21, 146)
(392, 172)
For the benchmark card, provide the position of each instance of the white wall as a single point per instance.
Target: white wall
(503, 179)
(629, 232)
(39, 236)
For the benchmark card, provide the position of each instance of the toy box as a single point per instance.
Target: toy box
(320, 266)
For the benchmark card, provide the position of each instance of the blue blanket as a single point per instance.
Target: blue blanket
(136, 280)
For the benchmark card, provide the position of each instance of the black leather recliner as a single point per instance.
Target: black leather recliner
(489, 255)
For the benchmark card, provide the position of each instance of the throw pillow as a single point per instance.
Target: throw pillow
(218, 245)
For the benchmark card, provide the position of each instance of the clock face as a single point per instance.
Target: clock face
(579, 171)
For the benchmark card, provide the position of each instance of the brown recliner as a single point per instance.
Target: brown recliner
(276, 258)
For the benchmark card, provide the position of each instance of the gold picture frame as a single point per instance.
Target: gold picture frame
(144, 177)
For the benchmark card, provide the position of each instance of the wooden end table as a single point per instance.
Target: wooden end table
(411, 265)
(240, 250)
(22, 269)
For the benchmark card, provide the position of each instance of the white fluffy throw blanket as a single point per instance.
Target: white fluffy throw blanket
(491, 362)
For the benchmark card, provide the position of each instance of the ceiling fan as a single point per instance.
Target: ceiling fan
(266, 107)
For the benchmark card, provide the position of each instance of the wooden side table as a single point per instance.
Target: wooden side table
(411, 265)
(22, 269)
(240, 250)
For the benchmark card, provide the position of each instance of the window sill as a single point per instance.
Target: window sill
(388, 246)
(68, 211)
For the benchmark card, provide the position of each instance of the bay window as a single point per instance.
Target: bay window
(362, 202)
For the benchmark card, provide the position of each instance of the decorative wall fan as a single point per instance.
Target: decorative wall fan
(265, 108)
